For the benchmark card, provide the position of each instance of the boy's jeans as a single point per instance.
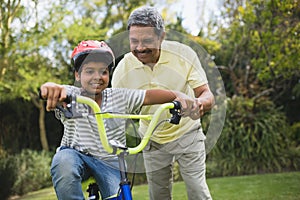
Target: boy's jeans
(70, 167)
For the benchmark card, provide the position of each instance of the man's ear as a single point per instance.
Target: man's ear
(162, 37)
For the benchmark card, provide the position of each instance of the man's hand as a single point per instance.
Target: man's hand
(190, 107)
(54, 93)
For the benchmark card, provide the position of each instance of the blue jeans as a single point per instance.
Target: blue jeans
(70, 167)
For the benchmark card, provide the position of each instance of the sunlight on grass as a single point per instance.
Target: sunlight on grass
(283, 186)
(269, 186)
(44, 194)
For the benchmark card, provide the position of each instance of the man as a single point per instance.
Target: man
(157, 63)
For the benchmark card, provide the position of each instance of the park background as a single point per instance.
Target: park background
(254, 43)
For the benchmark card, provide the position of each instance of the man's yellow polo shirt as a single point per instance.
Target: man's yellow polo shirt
(178, 68)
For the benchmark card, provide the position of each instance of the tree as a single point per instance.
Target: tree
(36, 45)
(9, 11)
(260, 47)
(25, 63)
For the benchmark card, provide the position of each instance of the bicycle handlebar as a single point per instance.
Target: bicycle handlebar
(174, 108)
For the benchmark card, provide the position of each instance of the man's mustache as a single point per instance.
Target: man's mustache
(144, 51)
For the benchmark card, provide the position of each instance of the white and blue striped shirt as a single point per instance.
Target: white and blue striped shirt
(82, 133)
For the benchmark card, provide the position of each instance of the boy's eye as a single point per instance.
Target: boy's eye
(89, 71)
(92, 71)
(104, 72)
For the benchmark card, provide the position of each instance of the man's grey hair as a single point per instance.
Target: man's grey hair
(147, 16)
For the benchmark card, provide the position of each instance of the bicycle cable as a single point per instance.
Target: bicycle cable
(135, 159)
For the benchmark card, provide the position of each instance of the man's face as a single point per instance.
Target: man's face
(145, 44)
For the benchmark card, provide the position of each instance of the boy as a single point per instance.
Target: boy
(81, 154)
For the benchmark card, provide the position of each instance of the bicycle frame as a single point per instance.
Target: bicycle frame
(120, 150)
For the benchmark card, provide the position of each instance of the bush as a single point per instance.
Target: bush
(293, 152)
(8, 174)
(295, 134)
(33, 171)
(254, 140)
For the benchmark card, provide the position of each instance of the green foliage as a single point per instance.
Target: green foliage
(254, 139)
(27, 61)
(19, 127)
(18, 122)
(260, 47)
(296, 90)
(8, 174)
(293, 152)
(24, 172)
(295, 134)
(132, 135)
(33, 171)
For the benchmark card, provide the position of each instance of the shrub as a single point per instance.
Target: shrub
(295, 134)
(33, 171)
(293, 152)
(253, 139)
(8, 174)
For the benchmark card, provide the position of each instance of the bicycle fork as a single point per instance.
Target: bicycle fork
(125, 189)
(125, 193)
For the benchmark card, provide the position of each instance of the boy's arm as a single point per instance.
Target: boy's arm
(158, 96)
(189, 105)
(54, 93)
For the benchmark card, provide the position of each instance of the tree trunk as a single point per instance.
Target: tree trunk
(43, 135)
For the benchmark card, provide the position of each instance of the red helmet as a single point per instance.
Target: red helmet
(92, 50)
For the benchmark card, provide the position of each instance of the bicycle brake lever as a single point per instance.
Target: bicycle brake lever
(68, 109)
(175, 119)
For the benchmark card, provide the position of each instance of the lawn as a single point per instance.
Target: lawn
(282, 186)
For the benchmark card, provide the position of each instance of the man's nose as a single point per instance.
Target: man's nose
(140, 46)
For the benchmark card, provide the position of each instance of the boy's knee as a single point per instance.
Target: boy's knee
(64, 162)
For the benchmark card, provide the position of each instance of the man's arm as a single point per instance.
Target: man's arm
(204, 98)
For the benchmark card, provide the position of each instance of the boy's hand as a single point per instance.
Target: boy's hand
(54, 93)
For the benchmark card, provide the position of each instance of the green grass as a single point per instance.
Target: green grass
(285, 186)
(282, 186)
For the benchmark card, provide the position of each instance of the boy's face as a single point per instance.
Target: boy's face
(145, 44)
(94, 77)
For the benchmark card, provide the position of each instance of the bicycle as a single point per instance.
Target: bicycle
(115, 147)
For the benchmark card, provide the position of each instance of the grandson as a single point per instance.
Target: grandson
(81, 154)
